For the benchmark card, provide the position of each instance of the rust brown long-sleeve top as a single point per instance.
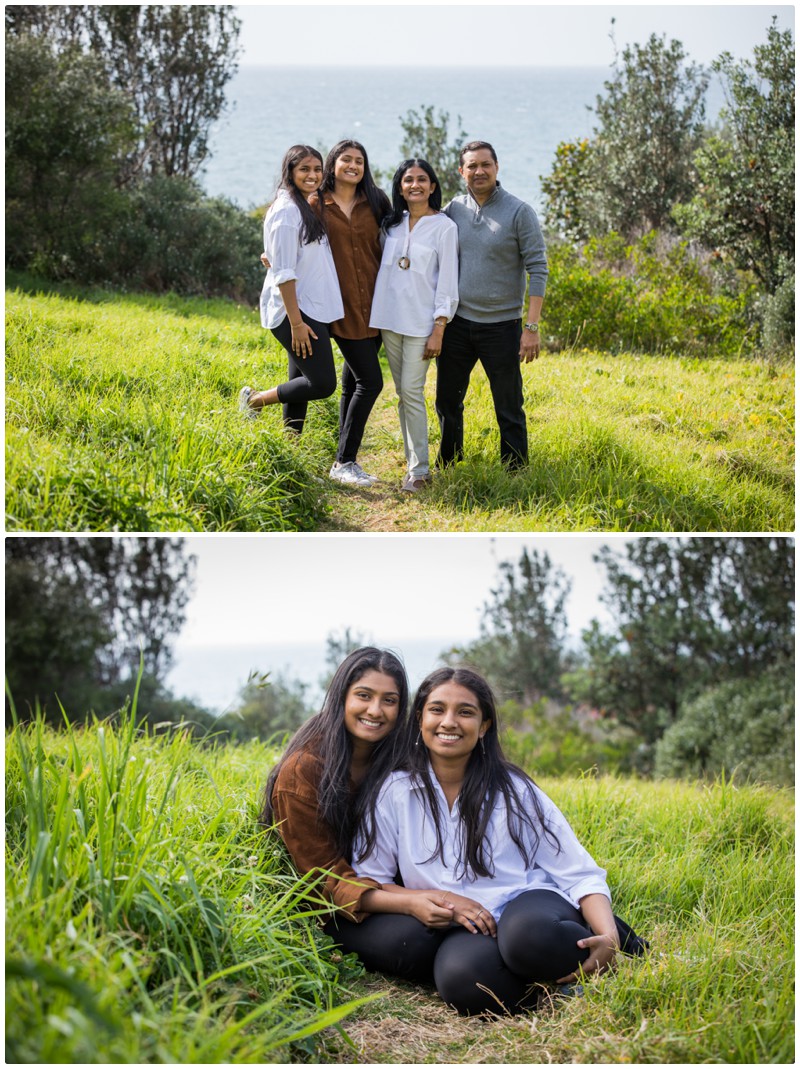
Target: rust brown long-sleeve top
(309, 839)
(355, 244)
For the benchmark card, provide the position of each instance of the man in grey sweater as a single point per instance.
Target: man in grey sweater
(500, 247)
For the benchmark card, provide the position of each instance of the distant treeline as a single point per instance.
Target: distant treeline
(695, 677)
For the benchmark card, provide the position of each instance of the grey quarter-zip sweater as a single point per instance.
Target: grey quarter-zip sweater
(500, 246)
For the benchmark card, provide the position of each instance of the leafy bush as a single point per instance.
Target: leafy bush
(742, 727)
(547, 740)
(655, 295)
(171, 237)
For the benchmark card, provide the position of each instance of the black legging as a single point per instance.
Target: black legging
(537, 937)
(362, 381)
(311, 379)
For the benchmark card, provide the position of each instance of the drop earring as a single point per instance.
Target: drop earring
(483, 746)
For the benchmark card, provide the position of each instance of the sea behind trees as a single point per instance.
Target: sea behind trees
(524, 112)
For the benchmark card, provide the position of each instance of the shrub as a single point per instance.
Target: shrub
(655, 295)
(742, 727)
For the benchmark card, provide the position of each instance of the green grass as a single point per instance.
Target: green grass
(121, 416)
(148, 920)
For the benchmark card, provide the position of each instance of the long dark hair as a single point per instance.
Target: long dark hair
(326, 736)
(313, 223)
(487, 776)
(399, 204)
(375, 197)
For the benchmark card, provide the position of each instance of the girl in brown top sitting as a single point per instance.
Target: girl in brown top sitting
(323, 791)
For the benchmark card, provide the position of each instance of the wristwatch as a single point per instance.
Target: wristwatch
(532, 327)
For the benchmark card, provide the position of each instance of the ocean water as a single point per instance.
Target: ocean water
(523, 113)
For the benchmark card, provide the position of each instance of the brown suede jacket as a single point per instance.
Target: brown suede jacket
(309, 840)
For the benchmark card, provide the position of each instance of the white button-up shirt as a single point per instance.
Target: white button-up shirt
(311, 265)
(406, 839)
(408, 301)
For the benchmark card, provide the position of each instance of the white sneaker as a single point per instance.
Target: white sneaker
(244, 407)
(346, 473)
(412, 485)
(357, 467)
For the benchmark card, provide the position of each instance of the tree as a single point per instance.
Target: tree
(81, 612)
(639, 164)
(691, 613)
(337, 647)
(171, 61)
(67, 135)
(744, 204)
(523, 630)
(425, 135)
(267, 709)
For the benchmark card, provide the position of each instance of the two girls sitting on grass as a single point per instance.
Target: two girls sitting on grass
(445, 862)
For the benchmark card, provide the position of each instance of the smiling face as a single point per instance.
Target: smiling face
(307, 175)
(451, 721)
(371, 707)
(416, 187)
(479, 171)
(349, 167)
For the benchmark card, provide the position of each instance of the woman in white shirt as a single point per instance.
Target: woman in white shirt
(529, 903)
(300, 297)
(416, 296)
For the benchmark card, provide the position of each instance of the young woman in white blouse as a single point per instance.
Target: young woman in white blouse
(529, 903)
(300, 297)
(416, 296)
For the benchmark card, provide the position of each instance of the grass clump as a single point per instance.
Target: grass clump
(121, 415)
(148, 918)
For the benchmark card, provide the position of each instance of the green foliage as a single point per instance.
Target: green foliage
(638, 166)
(67, 133)
(171, 61)
(149, 918)
(425, 135)
(81, 613)
(102, 144)
(653, 295)
(689, 613)
(523, 629)
(742, 727)
(169, 236)
(744, 203)
(550, 740)
(267, 709)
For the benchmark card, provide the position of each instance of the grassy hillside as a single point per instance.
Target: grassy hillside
(121, 415)
(149, 921)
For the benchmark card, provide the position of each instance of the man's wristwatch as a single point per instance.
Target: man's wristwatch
(532, 327)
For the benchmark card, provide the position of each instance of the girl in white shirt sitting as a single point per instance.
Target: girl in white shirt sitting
(529, 903)
(416, 296)
(300, 297)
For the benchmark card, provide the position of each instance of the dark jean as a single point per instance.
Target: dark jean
(496, 345)
(311, 379)
(362, 381)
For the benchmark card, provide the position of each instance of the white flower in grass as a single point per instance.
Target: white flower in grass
(72, 935)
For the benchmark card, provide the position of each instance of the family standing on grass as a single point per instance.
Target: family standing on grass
(439, 860)
(345, 264)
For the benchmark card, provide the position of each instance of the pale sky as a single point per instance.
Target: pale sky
(473, 36)
(254, 589)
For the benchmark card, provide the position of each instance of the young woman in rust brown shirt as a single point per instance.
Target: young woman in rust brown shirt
(354, 210)
(322, 794)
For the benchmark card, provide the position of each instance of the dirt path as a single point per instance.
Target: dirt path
(384, 506)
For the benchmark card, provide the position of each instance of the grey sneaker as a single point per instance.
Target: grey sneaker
(357, 467)
(346, 473)
(244, 407)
